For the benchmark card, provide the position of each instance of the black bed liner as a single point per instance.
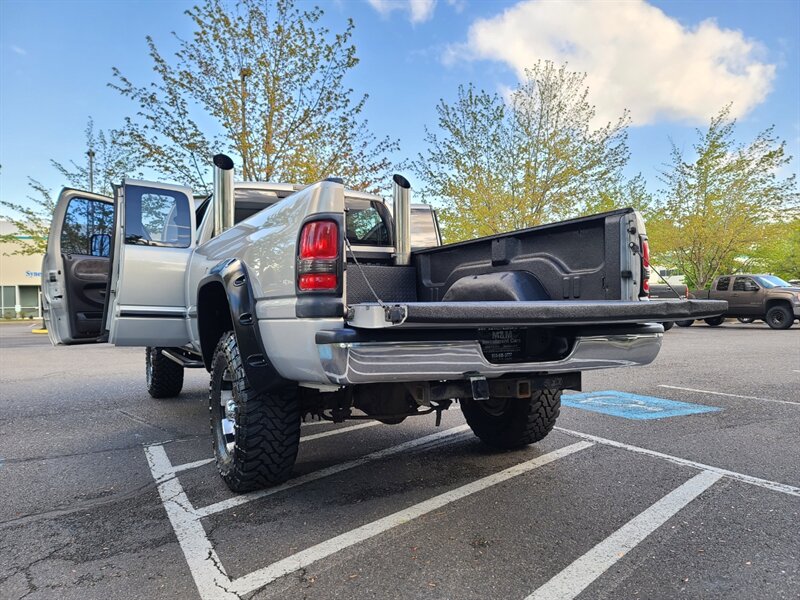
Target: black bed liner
(557, 312)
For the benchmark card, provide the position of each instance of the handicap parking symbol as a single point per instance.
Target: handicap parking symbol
(633, 406)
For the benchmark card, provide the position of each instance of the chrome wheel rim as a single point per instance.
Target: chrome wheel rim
(149, 368)
(227, 414)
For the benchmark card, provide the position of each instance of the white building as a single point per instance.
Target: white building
(20, 280)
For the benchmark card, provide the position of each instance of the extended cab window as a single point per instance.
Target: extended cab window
(743, 284)
(366, 223)
(723, 283)
(157, 217)
(87, 227)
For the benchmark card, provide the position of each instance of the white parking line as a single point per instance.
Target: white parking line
(210, 577)
(686, 389)
(214, 583)
(306, 438)
(426, 442)
(316, 436)
(207, 571)
(582, 572)
(775, 486)
(290, 564)
(191, 465)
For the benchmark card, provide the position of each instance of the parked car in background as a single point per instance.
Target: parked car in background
(752, 297)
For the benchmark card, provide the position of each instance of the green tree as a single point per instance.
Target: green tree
(31, 220)
(271, 78)
(498, 166)
(778, 252)
(623, 193)
(718, 207)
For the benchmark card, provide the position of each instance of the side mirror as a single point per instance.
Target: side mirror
(751, 287)
(101, 244)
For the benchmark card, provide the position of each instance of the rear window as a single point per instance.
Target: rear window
(157, 217)
(366, 223)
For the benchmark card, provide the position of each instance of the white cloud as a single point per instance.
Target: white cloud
(18, 50)
(636, 57)
(458, 5)
(418, 11)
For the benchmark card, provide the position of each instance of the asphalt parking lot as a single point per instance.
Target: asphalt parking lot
(107, 493)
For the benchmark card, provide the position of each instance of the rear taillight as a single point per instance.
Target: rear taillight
(645, 246)
(318, 257)
(645, 253)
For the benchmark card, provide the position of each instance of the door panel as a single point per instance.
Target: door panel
(75, 267)
(745, 298)
(155, 242)
(86, 278)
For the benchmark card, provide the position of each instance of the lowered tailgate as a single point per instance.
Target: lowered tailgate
(529, 314)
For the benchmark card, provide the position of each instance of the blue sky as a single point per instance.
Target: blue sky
(672, 64)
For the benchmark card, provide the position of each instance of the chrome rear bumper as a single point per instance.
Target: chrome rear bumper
(376, 362)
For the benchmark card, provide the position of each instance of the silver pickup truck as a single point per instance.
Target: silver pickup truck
(318, 300)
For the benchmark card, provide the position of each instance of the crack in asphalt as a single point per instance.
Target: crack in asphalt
(146, 422)
(134, 493)
(134, 446)
(219, 568)
(25, 571)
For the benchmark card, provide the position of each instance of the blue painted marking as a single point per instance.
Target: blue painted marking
(631, 406)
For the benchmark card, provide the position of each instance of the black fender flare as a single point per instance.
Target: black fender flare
(234, 278)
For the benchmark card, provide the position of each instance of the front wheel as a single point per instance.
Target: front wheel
(255, 435)
(668, 325)
(715, 321)
(164, 376)
(508, 423)
(684, 323)
(779, 317)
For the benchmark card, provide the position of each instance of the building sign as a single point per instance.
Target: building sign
(33, 274)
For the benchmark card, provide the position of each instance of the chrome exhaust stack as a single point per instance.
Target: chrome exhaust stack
(401, 196)
(223, 193)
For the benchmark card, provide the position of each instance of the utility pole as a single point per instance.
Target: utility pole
(90, 154)
(245, 72)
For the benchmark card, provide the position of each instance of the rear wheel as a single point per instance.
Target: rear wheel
(164, 376)
(715, 321)
(508, 423)
(779, 317)
(684, 323)
(255, 435)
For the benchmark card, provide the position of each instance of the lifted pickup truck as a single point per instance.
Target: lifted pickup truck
(313, 300)
(751, 297)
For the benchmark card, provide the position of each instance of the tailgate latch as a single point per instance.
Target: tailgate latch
(395, 314)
